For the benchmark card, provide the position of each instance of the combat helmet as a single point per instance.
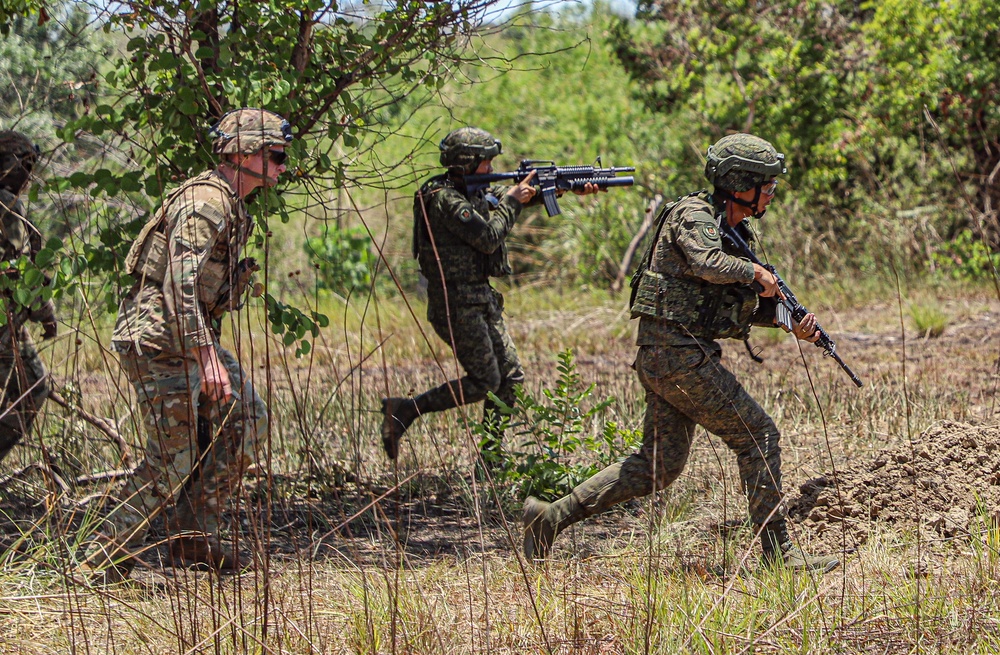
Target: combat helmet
(739, 162)
(466, 147)
(249, 130)
(17, 159)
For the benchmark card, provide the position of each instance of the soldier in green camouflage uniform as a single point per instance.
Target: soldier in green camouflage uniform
(459, 240)
(691, 290)
(188, 271)
(23, 379)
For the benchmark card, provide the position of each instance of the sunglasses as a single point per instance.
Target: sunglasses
(769, 187)
(277, 157)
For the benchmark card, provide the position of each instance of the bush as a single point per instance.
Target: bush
(550, 432)
(343, 259)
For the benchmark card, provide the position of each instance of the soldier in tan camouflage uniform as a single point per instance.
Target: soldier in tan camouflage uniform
(691, 290)
(23, 379)
(188, 272)
(459, 240)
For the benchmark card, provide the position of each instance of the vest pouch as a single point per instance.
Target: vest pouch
(706, 310)
(148, 256)
(732, 318)
(150, 264)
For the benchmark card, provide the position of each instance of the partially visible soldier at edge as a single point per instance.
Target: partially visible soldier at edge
(459, 241)
(694, 291)
(25, 384)
(188, 271)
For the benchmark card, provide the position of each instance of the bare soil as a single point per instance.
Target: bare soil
(940, 486)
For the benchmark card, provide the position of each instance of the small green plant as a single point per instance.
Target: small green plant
(967, 257)
(549, 434)
(343, 259)
(929, 321)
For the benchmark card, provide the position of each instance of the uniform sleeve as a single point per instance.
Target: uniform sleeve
(189, 243)
(699, 239)
(484, 233)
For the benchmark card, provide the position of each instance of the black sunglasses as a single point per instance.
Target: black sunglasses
(277, 157)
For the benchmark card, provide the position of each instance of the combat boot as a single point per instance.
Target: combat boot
(539, 530)
(205, 551)
(778, 549)
(544, 521)
(398, 413)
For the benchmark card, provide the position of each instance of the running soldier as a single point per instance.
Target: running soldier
(459, 240)
(691, 290)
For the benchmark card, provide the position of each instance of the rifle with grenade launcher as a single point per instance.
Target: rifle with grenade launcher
(551, 179)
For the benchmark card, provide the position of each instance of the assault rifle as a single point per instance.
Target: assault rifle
(789, 310)
(552, 179)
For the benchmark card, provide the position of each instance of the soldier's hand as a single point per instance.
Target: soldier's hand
(214, 378)
(588, 189)
(49, 329)
(806, 328)
(767, 280)
(523, 191)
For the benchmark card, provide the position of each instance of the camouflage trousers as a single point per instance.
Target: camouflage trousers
(195, 471)
(687, 386)
(25, 386)
(483, 347)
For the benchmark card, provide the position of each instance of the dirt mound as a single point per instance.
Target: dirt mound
(948, 479)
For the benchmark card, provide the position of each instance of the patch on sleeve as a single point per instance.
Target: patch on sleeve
(465, 215)
(710, 232)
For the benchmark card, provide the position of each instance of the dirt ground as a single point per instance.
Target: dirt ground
(943, 484)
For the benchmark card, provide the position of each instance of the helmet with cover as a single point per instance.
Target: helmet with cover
(17, 159)
(466, 147)
(739, 162)
(249, 130)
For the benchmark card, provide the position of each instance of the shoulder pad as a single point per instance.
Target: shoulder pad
(436, 183)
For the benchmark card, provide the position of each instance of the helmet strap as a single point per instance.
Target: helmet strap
(240, 168)
(750, 204)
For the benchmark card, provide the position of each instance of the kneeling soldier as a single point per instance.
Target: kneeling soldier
(188, 272)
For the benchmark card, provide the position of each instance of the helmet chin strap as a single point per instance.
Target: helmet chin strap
(750, 204)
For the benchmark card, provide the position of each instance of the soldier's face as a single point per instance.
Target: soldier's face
(485, 167)
(269, 163)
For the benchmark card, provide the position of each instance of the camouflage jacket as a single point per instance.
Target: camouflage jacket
(204, 226)
(696, 288)
(468, 234)
(19, 237)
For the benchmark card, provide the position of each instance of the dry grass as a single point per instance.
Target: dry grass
(354, 555)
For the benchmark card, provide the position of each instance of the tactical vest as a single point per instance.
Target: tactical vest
(148, 257)
(460, 263)
(706, 310)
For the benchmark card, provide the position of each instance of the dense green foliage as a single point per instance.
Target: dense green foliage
(882, 108)
(343, 259)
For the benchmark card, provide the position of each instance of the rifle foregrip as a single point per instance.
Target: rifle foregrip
(602, 182)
